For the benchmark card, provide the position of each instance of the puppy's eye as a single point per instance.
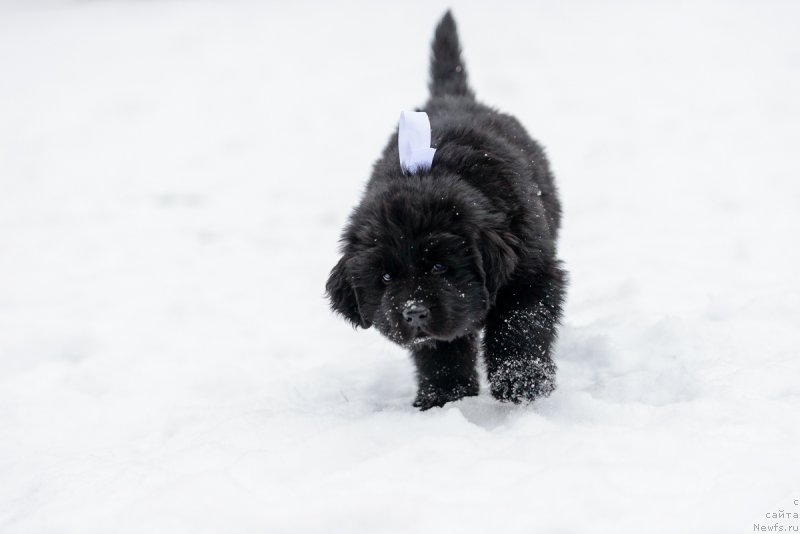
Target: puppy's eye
(386, 278)
(438, 268)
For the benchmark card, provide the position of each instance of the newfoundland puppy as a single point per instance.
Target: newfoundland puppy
(464, 244)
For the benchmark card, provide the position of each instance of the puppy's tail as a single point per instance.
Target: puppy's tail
(448, 75)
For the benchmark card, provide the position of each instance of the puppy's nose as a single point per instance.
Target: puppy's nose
(415, 314)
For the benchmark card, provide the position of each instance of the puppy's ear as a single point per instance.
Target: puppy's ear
(342, 295)
(498, 260)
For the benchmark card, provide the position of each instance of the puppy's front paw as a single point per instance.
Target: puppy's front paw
(430, 397)
(526, 382)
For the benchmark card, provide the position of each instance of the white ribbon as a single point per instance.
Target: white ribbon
(414, 141)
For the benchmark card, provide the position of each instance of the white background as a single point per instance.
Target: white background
(173, 180)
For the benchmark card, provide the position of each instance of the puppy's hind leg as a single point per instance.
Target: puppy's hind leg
(446, 371)
(520, 331)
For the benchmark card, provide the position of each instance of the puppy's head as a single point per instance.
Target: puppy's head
(423, 259)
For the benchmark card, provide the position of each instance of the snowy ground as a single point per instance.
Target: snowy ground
(172, 186)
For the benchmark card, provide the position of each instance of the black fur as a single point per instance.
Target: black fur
(487, 210)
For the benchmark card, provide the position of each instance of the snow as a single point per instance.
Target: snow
(174, 180)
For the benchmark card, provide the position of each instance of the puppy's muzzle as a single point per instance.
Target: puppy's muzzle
(416, 314)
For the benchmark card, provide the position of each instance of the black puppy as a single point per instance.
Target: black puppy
(434, 257)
